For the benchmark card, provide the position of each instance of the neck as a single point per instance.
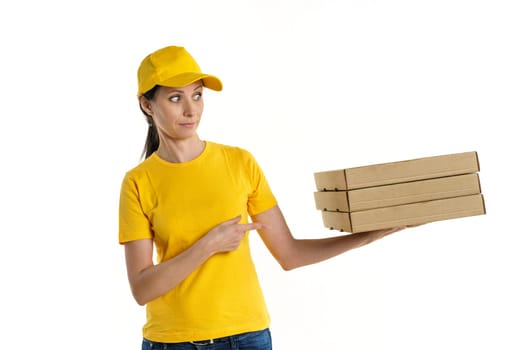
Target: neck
(180, 151)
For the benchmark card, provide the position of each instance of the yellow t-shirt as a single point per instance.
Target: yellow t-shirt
(175, 204)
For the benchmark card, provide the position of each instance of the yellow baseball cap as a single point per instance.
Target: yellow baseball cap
(172, 66)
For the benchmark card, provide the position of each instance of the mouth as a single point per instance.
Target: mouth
(187, 125)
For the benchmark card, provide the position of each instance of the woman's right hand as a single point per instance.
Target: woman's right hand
(227, 236)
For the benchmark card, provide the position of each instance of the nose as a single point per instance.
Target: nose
(189, 108)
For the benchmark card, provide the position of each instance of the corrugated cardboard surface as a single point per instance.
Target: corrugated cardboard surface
(332, 200)
(337, 221)
(413, 192)
(396, 194)
(398, 172)
(333, 180)
(406, 214)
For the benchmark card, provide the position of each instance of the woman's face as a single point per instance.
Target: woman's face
(177, 111)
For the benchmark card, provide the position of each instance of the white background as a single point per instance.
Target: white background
(309, 86)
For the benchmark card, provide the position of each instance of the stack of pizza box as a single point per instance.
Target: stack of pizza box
(403, 193)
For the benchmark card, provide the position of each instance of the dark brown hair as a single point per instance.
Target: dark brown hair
(152, 138)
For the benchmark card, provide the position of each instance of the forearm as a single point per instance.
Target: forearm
(310, 251)
(149, 281)
(292, 253)
(156, 280)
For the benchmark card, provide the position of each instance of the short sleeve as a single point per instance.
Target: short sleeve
(261, 197)
(133, 222)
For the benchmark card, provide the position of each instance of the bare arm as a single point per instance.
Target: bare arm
(149, 281)
(292, 253)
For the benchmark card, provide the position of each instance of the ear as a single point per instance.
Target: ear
(145, 104)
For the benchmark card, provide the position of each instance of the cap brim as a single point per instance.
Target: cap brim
(184, 79)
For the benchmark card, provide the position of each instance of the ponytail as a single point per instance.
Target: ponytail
(152, 138)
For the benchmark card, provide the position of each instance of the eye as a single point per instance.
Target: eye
(175, 98)
(197, 96)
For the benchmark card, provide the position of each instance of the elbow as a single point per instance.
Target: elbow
(140, 297)
(141, 302)
(289, 264)
(288, 267)
(289, 259)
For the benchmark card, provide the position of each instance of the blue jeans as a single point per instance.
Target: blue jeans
(259, 340)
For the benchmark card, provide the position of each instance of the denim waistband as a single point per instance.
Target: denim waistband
(262, 337)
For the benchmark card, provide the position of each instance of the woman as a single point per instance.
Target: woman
(193, 200)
